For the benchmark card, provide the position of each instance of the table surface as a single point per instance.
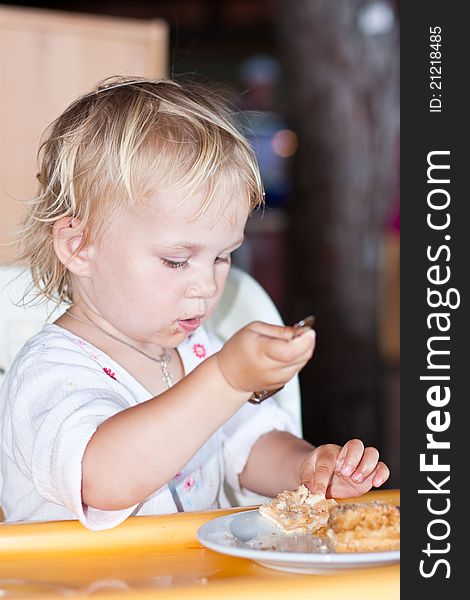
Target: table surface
(160, 556)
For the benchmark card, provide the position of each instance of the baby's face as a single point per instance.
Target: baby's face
(157, 272)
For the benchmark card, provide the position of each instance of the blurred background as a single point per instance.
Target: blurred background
(317, 86)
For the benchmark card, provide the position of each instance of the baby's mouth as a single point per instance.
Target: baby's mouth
(190, 324)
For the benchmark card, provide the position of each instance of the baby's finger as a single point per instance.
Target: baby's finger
(295, 350)
(272, 331)
(323, 470)
(382, 473)
(367, 465)
(349, 457)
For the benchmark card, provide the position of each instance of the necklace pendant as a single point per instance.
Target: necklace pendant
(166, 375)
(166, 378)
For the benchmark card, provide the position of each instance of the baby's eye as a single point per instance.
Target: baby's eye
(175, 264)
(224, 259)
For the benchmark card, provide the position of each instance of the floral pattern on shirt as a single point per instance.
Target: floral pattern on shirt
(188, 483)
(108, 371)
(199, 351)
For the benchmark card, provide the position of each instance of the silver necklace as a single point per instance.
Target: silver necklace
(163, 360)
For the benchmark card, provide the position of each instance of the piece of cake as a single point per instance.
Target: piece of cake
(298, 511)
(364, 527)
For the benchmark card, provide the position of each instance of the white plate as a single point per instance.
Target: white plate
(249, 535)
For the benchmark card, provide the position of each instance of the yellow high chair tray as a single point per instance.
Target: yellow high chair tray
(145, 557)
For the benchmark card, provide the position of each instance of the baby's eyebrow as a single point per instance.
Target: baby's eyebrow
(192, 247)
(186, 246)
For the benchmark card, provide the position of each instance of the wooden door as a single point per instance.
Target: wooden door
(47, 58)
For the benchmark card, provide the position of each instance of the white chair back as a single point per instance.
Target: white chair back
(19, 322)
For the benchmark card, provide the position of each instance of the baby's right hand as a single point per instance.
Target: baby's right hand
(263, 356)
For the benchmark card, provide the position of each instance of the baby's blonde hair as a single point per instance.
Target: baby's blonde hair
(119, 143)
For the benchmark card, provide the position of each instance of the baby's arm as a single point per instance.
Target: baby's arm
(136, 451)
(280, 461)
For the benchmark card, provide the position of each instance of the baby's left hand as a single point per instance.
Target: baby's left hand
(343, 472)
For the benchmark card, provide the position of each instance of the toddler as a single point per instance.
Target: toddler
(125, 405)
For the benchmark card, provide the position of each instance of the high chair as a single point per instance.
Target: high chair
(244, 300)
(19, 322)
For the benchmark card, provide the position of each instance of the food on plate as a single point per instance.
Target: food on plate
(298, 511)
(364, 527)
(348, 527)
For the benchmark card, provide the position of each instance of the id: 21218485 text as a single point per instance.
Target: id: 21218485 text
(435, 69)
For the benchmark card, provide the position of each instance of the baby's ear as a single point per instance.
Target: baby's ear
(69, 239)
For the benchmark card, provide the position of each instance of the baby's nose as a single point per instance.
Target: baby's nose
(203, 288)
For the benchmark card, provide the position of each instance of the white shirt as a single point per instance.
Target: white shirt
(60, 389)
